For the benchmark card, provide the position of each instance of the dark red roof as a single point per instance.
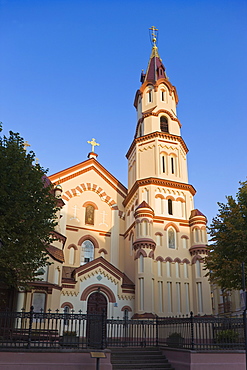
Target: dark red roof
(55, 253)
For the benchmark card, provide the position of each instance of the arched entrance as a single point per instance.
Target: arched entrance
(96, 324)
(97, 303)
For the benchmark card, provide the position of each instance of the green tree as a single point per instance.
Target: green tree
(27, 213)
(228, 233)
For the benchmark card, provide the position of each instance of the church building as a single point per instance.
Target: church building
(135, 251)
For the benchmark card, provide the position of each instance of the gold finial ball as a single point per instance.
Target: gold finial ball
(154, 39)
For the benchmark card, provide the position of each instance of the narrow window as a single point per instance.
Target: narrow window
(141, 295)
(163, 124)
(141, 264)
(199, 297)
(198, 269)
(187, 298)
(171, 238)
(178, 286)
(158, 240)
(160, 285)
(185, 271)
(168, 269)
(184, 243)
(163, 164)
(177, 270)
(71, 256)
(172, 165)
(150, 96)
(170, 207)
(159, 268)
(169, 296)
(163, 95)
(89, 215)
(196, 235)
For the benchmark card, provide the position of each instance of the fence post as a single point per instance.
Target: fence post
(157, 331)
(30, 327)
(103, 342)
(192, 330)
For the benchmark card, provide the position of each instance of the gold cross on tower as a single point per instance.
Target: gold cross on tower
(26, 145)
(93, 143)
(154, 35)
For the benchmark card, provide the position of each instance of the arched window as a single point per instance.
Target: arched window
(171, 238)
(177, 269)
(158, 240)
(66, 311)
(173, 165)
(144, 228)
(141, 263)
(196, 234)
(163, 124)
(89, 215)
(71, 256)
(150, 96)
(170, 211)
(87, 252)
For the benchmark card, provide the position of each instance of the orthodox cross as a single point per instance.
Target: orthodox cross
(154, 34)
(104, 214)
(93, 143)
(26, 145)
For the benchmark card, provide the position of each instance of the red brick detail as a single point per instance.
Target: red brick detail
(159, 258)
(139, 252)
(112, 202)
(168, 259)
(178, 260)
(185, 260)
(79, 189)
(102, 250)
(68, 193)
(99, 190)
(88, 237)
(89, 185)
(67, 304)
(151, 254)
(94, 187)
(73, 192)
(65, 198)
(83, 187)
(102, 194)
(94, 288)
(73, 246)
(107, 198)
(126, 308)
(173, 225)
(115, 208)
(90, 203)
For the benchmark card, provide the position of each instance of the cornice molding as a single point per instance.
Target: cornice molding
(159, 182)
(160, 135)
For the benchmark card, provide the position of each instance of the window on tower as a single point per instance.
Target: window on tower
(163, 124)
(150, 96)
(170, 210)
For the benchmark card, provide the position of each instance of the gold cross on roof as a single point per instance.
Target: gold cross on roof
(26, 145)
(154, 34)
(93, 143)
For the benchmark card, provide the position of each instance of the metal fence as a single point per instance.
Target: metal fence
(77, 330)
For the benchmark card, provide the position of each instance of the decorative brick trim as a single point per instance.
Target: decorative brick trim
(126, 308)
(185, 260)
(103, 250)
(94, 288)
(184, 237)
(198, 249)
(88, 237)
(151, 254)
(89, 203)
(159, 258)
(144, 243)
(168, 259)
(170, 197)
(178, 260)
(67, 304)
(139, 252)
(73, 246)
(171, 224)
(159, 196)
(197, 258)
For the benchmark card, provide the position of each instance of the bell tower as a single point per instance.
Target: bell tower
(160, 222)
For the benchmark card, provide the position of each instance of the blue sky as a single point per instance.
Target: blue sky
(69, 71)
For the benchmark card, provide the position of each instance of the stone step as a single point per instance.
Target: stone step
(139, 359)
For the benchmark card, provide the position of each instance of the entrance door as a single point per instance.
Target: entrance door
(96, 325)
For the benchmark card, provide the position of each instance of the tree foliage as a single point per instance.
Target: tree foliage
(27, 213)
(229, 236)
